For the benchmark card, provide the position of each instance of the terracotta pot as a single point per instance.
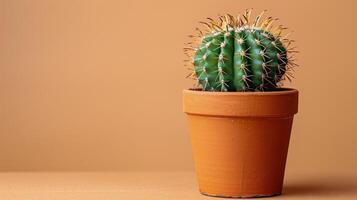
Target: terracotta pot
(240, 140)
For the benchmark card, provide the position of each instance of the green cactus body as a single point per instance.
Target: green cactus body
(245, 59)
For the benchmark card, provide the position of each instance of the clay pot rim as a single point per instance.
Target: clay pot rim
(283, 103)
(282, 91)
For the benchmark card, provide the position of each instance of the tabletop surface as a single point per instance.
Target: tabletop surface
(157, 185)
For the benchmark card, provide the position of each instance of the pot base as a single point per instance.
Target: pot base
(241, 197)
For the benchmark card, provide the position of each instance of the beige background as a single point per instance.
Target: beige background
(96, 85)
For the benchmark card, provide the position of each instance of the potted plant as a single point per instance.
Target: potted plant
(240, 118)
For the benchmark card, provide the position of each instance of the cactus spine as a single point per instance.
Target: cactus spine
(238, 55)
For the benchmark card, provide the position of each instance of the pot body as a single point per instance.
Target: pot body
(240, 140)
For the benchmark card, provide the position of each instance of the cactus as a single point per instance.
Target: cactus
(238, 55)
